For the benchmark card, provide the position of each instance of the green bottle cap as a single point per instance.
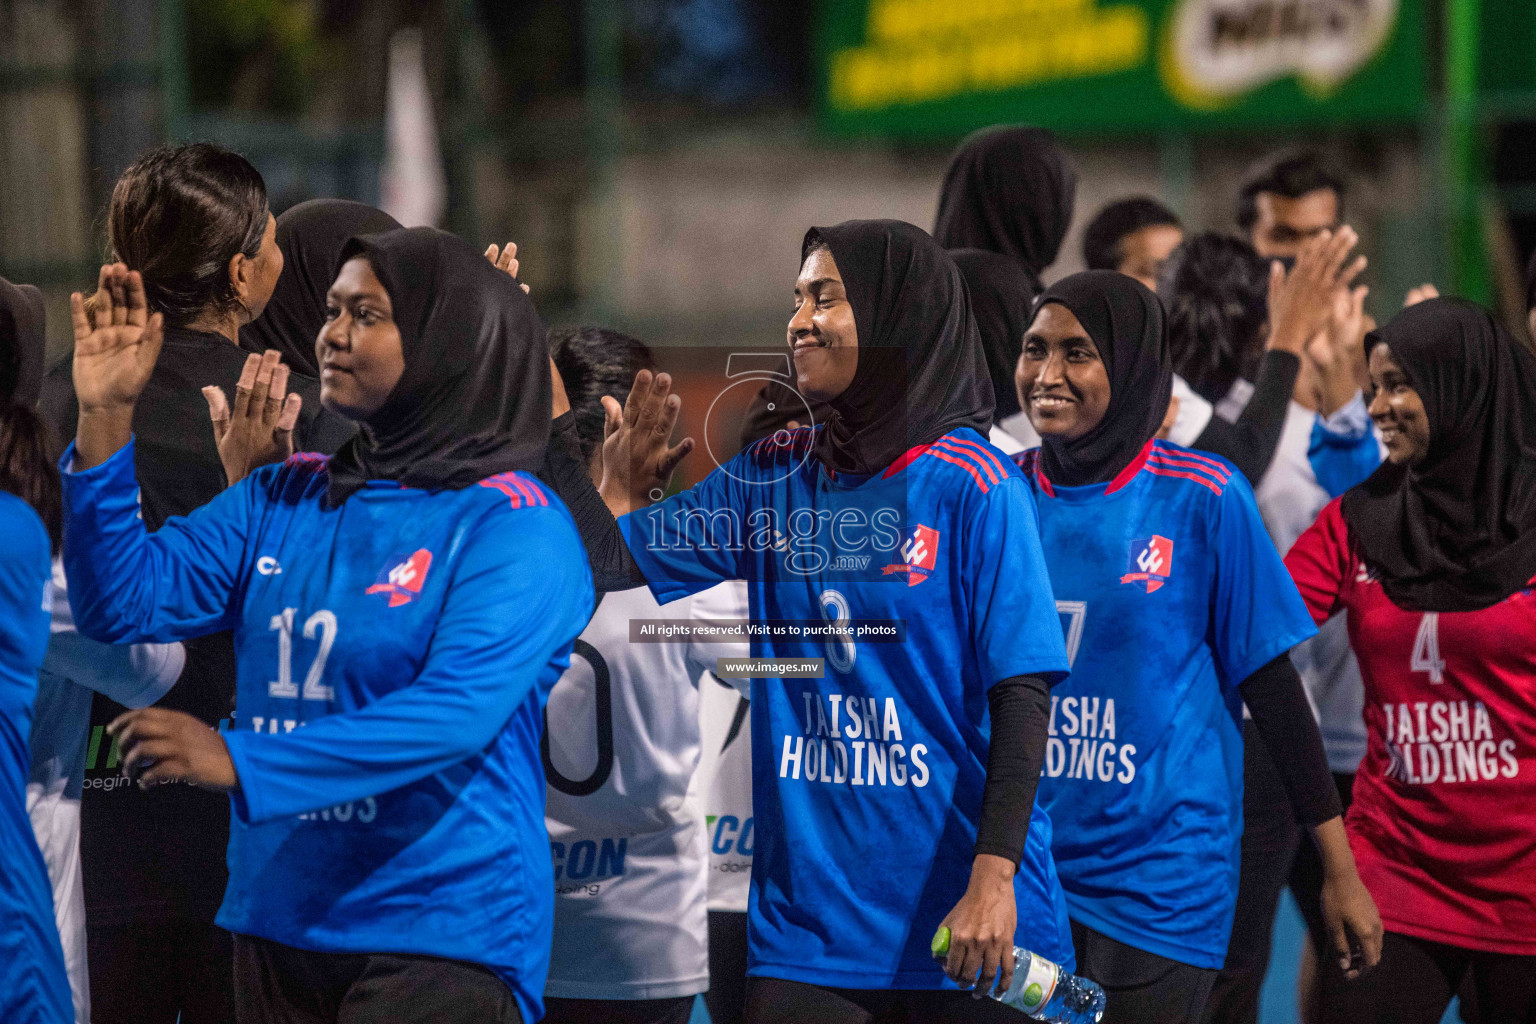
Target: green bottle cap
(940, 943)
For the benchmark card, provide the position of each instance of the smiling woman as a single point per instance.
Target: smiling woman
(1180, 611)
(1433, 562)
(1061, 379)
(883, 329)
(1397, 410)
(822, 334)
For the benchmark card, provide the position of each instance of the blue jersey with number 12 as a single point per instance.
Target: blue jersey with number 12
(1170, 594)
(867, 783)
(394, 656)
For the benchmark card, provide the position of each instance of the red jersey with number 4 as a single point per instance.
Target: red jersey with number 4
(1443, 822)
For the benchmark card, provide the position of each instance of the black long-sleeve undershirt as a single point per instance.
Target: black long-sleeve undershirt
(613, 566)
(1284, 721)
(1021, 709)
(1250, 443)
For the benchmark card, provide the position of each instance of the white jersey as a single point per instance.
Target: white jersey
(726, 781)
(1193, 417)
(625, 815)
(1290, 499)
(74, 667)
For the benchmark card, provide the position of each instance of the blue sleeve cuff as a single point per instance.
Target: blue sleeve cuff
(119, 459)
(1350, 422)
(244, 800)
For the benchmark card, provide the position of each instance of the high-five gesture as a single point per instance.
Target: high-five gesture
(1338, 351)
(116, 343)
(638, 460)
(1302, 300)
(260, 431)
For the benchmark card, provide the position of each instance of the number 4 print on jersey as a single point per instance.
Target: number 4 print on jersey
(1426, 648)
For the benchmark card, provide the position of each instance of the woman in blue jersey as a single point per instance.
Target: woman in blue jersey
(1221, 302)
(396, 637)
(1177, 610)
(34, 988)
(893, 783)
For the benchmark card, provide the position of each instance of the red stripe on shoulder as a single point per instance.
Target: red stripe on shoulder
(1191, 454)
(1199, 478)
(520, 490)
(306, 460)
(1170, 461)
(994, 476)
(783, 442)
(987, 453)
(964, 463)
(1028, 462)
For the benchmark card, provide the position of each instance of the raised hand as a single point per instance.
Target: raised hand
(505, 260)
(1301, 301)
(116, 341)
(1338, 351)
(260, 431)
(638, 460)
(116, 344)
(1420, 294)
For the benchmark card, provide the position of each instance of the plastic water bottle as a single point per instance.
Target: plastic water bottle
(1041, 989)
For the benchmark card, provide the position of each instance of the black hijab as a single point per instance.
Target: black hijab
(311, 236)
(1001, 300)
(1008, 190)
(1457, 532)
(474, 399)
(23, 342)
(920, 373)
(1125, 321)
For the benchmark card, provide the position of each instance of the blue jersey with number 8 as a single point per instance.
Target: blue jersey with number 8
(867, 781)
(394, 656)
(1170, 594)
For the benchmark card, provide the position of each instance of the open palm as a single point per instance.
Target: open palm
(116, 341)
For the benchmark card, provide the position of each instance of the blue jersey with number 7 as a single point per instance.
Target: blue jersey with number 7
(1170, 594)
(867, 781)
(394, 656)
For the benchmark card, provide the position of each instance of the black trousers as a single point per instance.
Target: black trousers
(618, 1011)
(1416, 978)
(775, 1001)
(727, 995)
(277, 984)
(154, 972)
(1142, 987)
(1275, 851)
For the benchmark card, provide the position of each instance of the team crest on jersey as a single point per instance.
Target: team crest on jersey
(403, 580)
(1151, 562)
(919, 553)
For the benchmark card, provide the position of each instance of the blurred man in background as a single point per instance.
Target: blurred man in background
(1134, 236)
(1289, 199)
